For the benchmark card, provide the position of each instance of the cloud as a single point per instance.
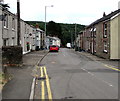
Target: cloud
(70, 11)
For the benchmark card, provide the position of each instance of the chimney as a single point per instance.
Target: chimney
(104, 14)
(37, 26)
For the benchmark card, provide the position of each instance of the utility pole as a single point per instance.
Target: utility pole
(18, 22)
(45, 24)
(71, 39)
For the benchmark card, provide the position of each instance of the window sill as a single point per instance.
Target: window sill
(5, 27)
(105, 36)
(13, 29)
(105, 51)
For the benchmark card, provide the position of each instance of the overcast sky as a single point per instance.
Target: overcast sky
(64, 11)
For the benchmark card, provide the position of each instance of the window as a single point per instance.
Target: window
(13, 23)
(91, 32)
(95, 32)
(5, 42)
(12, 44)
(105, 47)
(27, 31)
(94, 46)
(5, 21)
(104, 30)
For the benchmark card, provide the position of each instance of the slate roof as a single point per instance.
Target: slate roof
(107, 17)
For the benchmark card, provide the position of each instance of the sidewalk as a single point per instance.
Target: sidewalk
(104, 61)
(20, 85)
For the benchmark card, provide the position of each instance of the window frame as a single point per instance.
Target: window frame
(105, 26)
(5, 21)
(105, 47)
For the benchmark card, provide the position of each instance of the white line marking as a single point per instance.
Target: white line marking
(63, 54)
(97, 77)
(32, 90)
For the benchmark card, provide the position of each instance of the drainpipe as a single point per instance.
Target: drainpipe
(93, 41)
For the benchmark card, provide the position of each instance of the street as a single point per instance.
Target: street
(74, 76)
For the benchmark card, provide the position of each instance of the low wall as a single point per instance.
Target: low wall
(12, 55)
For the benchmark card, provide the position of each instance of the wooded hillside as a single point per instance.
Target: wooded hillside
(64, 31)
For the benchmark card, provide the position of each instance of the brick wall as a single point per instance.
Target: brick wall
(100, 40)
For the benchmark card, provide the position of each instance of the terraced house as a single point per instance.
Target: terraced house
(102, 37)
(8, 32)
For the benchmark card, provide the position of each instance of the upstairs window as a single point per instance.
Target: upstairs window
(95, 32)
(5, 21)
(104, 30)
(13, 23)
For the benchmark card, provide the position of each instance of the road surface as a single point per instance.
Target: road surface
(74, 76)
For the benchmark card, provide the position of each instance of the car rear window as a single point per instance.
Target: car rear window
(53, 46)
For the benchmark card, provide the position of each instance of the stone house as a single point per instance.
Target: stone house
(101, 37)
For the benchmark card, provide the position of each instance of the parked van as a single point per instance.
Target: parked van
(68, 45)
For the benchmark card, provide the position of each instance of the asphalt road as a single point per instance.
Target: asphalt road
(74, 76)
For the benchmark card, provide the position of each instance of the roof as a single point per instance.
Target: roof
(107, 17)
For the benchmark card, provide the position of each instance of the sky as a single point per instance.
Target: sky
(63, 11)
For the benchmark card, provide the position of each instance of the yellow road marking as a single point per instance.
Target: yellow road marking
(48, 85)
(111, 67)
(42, 85)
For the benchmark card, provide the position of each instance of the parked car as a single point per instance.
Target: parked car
(54, 48)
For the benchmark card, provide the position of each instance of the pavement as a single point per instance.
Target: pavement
(113, 63)
(21, 77)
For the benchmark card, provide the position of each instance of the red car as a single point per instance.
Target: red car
(54, 48)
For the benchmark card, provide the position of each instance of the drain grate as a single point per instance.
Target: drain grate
(70, 97)
(41, 78)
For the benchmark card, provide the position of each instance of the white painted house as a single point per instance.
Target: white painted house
(8, 32)
(52, 41)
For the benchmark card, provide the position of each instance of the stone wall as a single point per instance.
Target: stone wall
(100, 41)
(12, 56)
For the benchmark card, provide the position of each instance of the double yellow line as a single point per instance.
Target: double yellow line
(110, 67)
(44, 74)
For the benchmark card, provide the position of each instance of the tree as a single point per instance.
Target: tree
(54, 29)
(61, 30)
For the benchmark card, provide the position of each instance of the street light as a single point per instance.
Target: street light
(45, 20)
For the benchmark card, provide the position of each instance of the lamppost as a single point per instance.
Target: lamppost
(45, 21)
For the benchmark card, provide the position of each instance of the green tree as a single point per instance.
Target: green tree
(54, 29)
(61, 30)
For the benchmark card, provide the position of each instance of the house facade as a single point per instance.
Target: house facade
(101, 37)
(39, 39)
(52, 41)
(1, 27)
(115, 37)
(8, 32)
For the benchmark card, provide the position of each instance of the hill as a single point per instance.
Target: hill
(67, 30)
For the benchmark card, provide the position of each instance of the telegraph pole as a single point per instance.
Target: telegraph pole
(18, 22)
